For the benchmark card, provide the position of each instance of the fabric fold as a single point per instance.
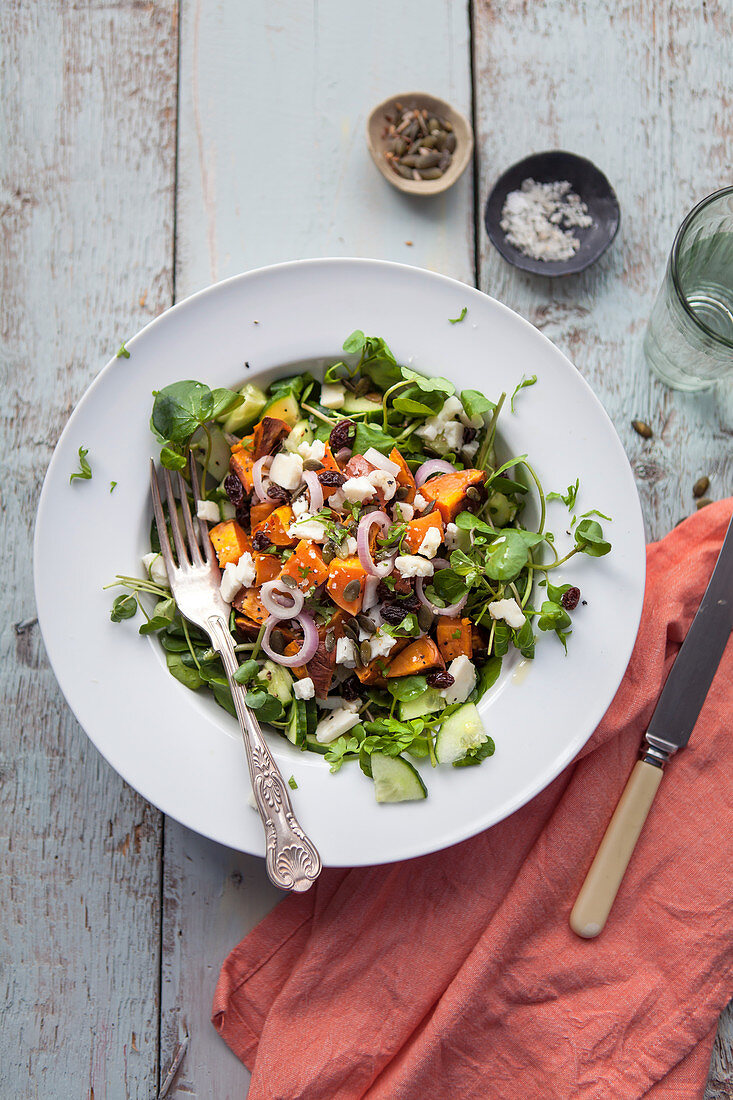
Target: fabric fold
(457, 973)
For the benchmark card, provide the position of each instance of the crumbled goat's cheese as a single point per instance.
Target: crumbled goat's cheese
(410, 565)
(419, 503)
(155, 568)
(308, 528)
(338, 722)
(351, 545)
(463, 672)
(402, 511)
(313, 452)
(430, 543)
(456, 538)
(332, 395)
(358, 489)
(538, 220)
(287, 470)
(380, 645)
(508, 610)
(241, 575)
(208, 511)
(345, 652)
(304, 689)
(371, 596)
(300, 506)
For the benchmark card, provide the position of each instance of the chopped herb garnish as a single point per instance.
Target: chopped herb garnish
(84, 473)
(122, 353)
(292, 784)
(457, 320)
(112, 486)
(522, 385)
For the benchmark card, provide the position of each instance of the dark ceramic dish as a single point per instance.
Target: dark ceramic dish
(586, 180)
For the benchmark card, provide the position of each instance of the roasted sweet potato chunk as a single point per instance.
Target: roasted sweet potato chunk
(306, 566)
(277, 525)
(419, 656)
(268, 434)
(454, 637)
(418, 528)
(345, 584)
(449, 491)
(404, 477)
(230, 541)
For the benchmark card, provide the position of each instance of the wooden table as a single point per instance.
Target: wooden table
(150, 148)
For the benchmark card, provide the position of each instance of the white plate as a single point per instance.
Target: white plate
(179, 749)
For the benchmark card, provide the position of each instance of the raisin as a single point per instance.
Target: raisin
(569, 600)
(440, 679)
(342, 435)
(276, 492)
(394, 613)
(469, 434)
(242, 516)
(331, 478)
(260, 541)
(411, 602)
(350, 689)
(234, 490)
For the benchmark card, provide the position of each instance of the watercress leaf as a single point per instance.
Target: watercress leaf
(530, 538)
(475, 403)
(524, 639)
(247, 672)
(507, 556)
(595, 512)
(475, 756)
(189, 677)
(506, 485)
(411, 408)
(223, 401)
(429, 385)
(589, 539)
(290, 387)
(367, 435)
(172, 458)
(124, 607)
(405, 688)
(379, 364)
(504, 466)
(468, 522)
(355, 342)
(269, 709)
(336, 372)
(502, 637)
(555, 592)
(569, 497)
(553, 616)
(84, 473)
(487, 675)
(179, 409)
(521, 385)
(449, 586)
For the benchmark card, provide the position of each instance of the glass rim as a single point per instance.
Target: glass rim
(674, 259)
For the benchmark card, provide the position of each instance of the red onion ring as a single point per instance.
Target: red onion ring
(271, 590)
(307, 650)
(315, 490)
(454, 608)
(432, 466)
(260, 466)
(362, 544)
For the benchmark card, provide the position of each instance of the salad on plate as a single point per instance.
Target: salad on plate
(377, 555)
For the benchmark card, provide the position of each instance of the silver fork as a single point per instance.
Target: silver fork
(292, 860)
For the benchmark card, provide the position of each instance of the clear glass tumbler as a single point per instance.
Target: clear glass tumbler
(689, 339)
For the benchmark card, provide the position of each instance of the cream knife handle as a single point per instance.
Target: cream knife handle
(598, 892)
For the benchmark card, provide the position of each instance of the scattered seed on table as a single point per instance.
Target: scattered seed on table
(642, 428)
(701, 486)
(703, 503)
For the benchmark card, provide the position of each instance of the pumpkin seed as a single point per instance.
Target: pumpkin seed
(473, 494)
(428, 509)
(703, 503)
(427, 143)
(288, 581)
(430, 173)
(366, 623)
(450, 143)
(312, 464)
(447, 126)
(328, 552)
(425, 618)
(406, 173)
(399, 146)
(426, 160)
(329, 642)
(440, 137)
(433, 124)
(410, 161)
(352, 590)
(299, 492)
(642, 428)
(701, 486)
(351, 629)
(402, 493)
(365, 652)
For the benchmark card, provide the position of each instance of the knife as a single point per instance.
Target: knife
(669, 730)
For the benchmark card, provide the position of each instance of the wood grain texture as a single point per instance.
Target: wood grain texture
(87, 100)
(644, 90)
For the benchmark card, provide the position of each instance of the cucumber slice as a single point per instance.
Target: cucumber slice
(312, 744)
(301, 433)
(501, 510)
(221, 452)
(277, 680)
(283, 408)
(246, 413)
(297, 728)
(460, 732)
(354, 404)
(428, 703)
(395, 779)
(227, 510)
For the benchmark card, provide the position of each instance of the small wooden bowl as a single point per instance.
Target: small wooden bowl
(376, 140)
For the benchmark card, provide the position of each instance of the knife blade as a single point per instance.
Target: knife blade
(674, 718)
(691, 675)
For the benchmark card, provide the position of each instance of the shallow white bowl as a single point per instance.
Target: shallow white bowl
(179, 749)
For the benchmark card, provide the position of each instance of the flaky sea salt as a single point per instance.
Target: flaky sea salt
(539, 218)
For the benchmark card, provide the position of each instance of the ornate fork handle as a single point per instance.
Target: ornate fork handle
(292, 861)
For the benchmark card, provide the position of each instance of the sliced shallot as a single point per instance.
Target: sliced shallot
(272, 595)
(260, 467)
(432, 466)
(315, 492)
(374, 569)
(454, 608)
(308, 648)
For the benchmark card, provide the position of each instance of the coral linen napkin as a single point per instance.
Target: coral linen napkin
(456, 974)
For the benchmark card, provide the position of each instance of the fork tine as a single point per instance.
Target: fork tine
(175, 525)
(193, 546)
(165, 546)
(203, 529)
